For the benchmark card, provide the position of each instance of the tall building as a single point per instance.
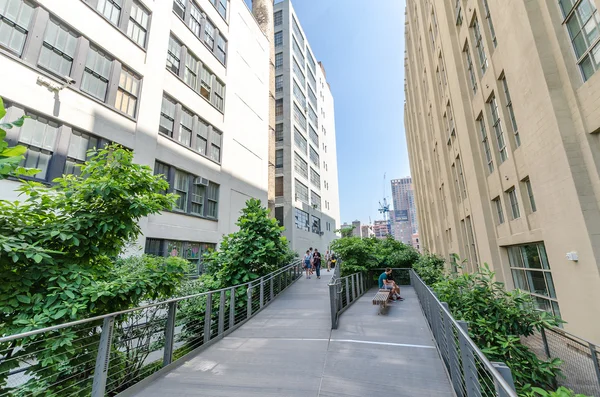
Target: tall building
(502, 121)
(381, 229)
(404, 215)
(307, 198)
(366, 231)
(184, 84)
(357, 231)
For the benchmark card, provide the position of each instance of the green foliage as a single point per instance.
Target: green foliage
(363, 254)
(497, 319)
(57, 262)
(430, 268)
(11, 157)
(346, 231)
(560, 392)
(257, 249)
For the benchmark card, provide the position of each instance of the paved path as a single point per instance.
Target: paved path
(288, 349)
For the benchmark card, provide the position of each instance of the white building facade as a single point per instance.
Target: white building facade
(306, 182)
(182, 83)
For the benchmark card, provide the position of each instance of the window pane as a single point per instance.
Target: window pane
(138, 24)
(531, 256)
(173, 54)
(550, 284)
(96, 74)
(519, 280)
(111, 9)
(58, 49)
(537, 282)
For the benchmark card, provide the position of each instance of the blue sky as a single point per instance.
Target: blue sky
(361, 45)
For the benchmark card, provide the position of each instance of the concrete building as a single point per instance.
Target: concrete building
(404, 215)
(357, 232)
(380, 229)
(184, 84)
(366, 231)
(502, 120)
(307, 198)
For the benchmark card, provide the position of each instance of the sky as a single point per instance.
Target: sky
(361, 45)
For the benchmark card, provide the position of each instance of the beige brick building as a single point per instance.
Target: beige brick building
(502, 120)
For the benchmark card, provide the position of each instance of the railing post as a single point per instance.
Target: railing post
(249, 294)
(271, 291)
(595, 361)
(103, 358)
(221, 325)
(453, 358)
(207, 317)
(232, 308)
(262, 292)
(353, 288)
(333, 304)
(169, 334)
(468, 362)
(507, 375)
(545, 341)
(347, 290)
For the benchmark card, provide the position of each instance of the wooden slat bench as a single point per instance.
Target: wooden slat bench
(381, 298)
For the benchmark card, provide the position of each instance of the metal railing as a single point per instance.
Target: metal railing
(105, 355)
(470, 372)
(343, 291)
(580, 366)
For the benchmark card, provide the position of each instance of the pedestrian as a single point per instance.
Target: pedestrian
(307, 263)
(317, 262)
(328, 259)
(312, 265)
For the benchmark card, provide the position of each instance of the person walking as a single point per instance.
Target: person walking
(312, 255)
(307, 265)
(317, 262)
(328, 259)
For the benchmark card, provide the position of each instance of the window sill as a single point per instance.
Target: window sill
(117, 28)
(197, 93)
(189, 148)
(206, 218)
(203, 42)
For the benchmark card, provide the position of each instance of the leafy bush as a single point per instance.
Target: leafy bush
(11, 157)
(497, 319)
(430, 268)
(560, 392)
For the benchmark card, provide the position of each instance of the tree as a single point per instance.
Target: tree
(11, 157)
(58, 250)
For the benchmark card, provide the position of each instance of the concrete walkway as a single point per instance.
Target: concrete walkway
(288, 349)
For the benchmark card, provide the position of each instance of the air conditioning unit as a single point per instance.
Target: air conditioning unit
(200, 181)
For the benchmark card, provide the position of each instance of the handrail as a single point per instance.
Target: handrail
(155, 304)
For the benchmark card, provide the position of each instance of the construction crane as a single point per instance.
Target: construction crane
(384, 208)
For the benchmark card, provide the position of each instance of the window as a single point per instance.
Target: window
(96, 74)
(301, 218)
(279, 61)
(213, 201)
(167, 117)
(582, 21)
(278, 39)
(511, 113)
(470, 69)
(300, 141)
(127, 93)
(471, 239)
(314, 137)
(490, 24)
(316, 223)
(193, 252)
(79, 144)
(162, 169)
(279, 108)
(299, 73)
(514, 203)
(497, 126)
(279, 186)
(279, 85)
(181, 190)
(137, 29)
(530, 194)
(202, 137)
(215, 145)
(205, 83)
(111, 9)
(300, 165)
(458, 12)
(221, 6)
(461, 178)
(192, 72)
(301, 192)
(209, 34)
(312, 116)
(483, 63)
(315, 178)
(299, 95)
(58, 49)
(173, 54)
(279, 132)
(279, 215)
(186, 127)
(39, 135)
(298, 51)
(456, 183)
(314, 156)
(311, 78)
(312, 97)
(486, 144)
(531, 273)
(221, 50)
(15, 17)
(279, 158)
(297, 31)
(499, 210)
(278, 19)
(196, 19)
(197, 199)
(218, 99)
(179, 7)
(299, 117)
(311, 59)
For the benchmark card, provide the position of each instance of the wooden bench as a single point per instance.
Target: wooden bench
(381, 298)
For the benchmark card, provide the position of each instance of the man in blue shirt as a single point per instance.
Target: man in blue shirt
(386, 283)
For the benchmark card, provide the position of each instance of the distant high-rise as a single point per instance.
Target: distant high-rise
(404, 216)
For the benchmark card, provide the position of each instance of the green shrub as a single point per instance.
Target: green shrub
(430, 268)
(560, 392)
